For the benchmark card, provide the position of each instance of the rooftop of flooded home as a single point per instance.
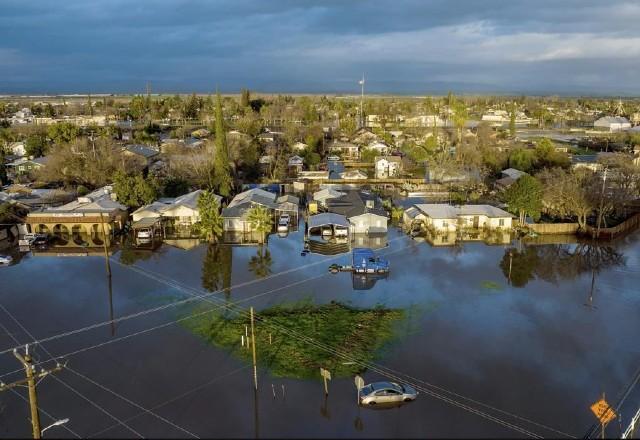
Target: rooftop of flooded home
(512, 339)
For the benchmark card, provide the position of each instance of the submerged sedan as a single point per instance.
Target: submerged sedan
(5, 259)
(386, 392)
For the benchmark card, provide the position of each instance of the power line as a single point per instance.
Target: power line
(80, 394)
(173, 399)
(173, 304)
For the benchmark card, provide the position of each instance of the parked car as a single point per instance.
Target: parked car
(283, 223)
(333, 158)
(5, 259)
(41, 241)
(144, 233)
(386, 392)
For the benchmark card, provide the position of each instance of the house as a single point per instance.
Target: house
(23, 116)
(509, 177)
(296, 163)
(328, 224)
(82, 221)
(314, 175)
(589, 161)
(363, 210)
(179, 213)
(236, 213)
(612, 123)
(364, 136)
(36, 198)
(380, 148)
(142, 154)
(441, 217)
(347, 150)
(424, 121)
(387, 166)
(299, 146)
(17, 149)
(321, 197)
(354, 175)
(24, 166)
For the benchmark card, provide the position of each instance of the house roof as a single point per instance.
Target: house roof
(327, 193)
(608, 120)
(513, 173)
(354, 203)
(396, 159)
(260, 195)
(444, 211)
(141, 150)
(97, 201)
(288, 198)
(38, 161)
(327, 218)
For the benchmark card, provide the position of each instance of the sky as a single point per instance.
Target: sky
(565, 47)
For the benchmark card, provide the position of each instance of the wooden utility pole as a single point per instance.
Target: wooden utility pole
(253, 348)
(104, 245)
(30, 380)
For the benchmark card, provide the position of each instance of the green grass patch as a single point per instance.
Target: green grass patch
(491, 285)
(361, 333)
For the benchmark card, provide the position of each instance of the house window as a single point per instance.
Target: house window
(445, 224)
(501, 222)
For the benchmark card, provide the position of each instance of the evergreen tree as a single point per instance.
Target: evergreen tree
(245, 98)
(221, 171)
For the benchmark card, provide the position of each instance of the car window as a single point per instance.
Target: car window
(392, 392)
(381, 393)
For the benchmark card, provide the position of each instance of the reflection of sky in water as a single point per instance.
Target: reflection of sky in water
(467, 330)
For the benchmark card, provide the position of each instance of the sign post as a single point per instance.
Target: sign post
(359, 381)
(326, 375)
(603, 412)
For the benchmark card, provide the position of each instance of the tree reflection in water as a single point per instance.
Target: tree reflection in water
(557, 262)
(260, 264)
(216, 268)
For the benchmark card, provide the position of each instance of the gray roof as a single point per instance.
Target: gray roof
(98, 201)
(513, 173)
(444, 211)
(141, 150)
(328, 218)
(354, 203)
(606, 120)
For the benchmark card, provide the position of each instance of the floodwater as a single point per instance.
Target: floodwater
(496, 353)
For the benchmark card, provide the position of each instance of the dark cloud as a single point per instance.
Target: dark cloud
(411, 46)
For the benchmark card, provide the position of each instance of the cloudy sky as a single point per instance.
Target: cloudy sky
(410, 46)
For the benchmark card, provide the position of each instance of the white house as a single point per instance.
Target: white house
(612, 123)
(387, 166)
(235, 215)
(325, 194)
(379, 147)
(299, 146)
(353, 175)
(447, 218)
(18, 149)
(180, 211)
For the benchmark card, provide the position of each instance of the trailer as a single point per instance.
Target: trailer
(364, 261)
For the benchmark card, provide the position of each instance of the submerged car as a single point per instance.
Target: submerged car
(386, 392)
(5, 259)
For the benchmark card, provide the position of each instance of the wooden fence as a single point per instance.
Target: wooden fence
(629, 224)
(554, 228)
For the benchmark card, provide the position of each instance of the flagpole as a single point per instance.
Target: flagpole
(361, 101)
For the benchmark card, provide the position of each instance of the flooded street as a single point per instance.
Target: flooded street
(506, 340)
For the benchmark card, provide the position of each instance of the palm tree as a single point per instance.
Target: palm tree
(211, 224)
(260, 220)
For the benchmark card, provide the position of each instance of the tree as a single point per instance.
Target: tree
(35, 145)
(63, 132)
(3, 169)
(245, 98)
(133, 190)
(221, 171)
(522, 159)
(260, 220)
(512, 121)
(211, 223)
(524, 197)
(566, 193)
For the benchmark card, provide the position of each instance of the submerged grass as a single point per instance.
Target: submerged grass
(359, 332)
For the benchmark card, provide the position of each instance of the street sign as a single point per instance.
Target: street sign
(325, 373)
(359, 382)
(603, 411)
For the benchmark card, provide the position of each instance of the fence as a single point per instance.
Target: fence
(630, 431)
(554, 228)
(627, 225)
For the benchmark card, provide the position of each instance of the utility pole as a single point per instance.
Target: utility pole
(604, 181)
(104, 245)
(31, 375)
(362, 101)
(253, 348)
